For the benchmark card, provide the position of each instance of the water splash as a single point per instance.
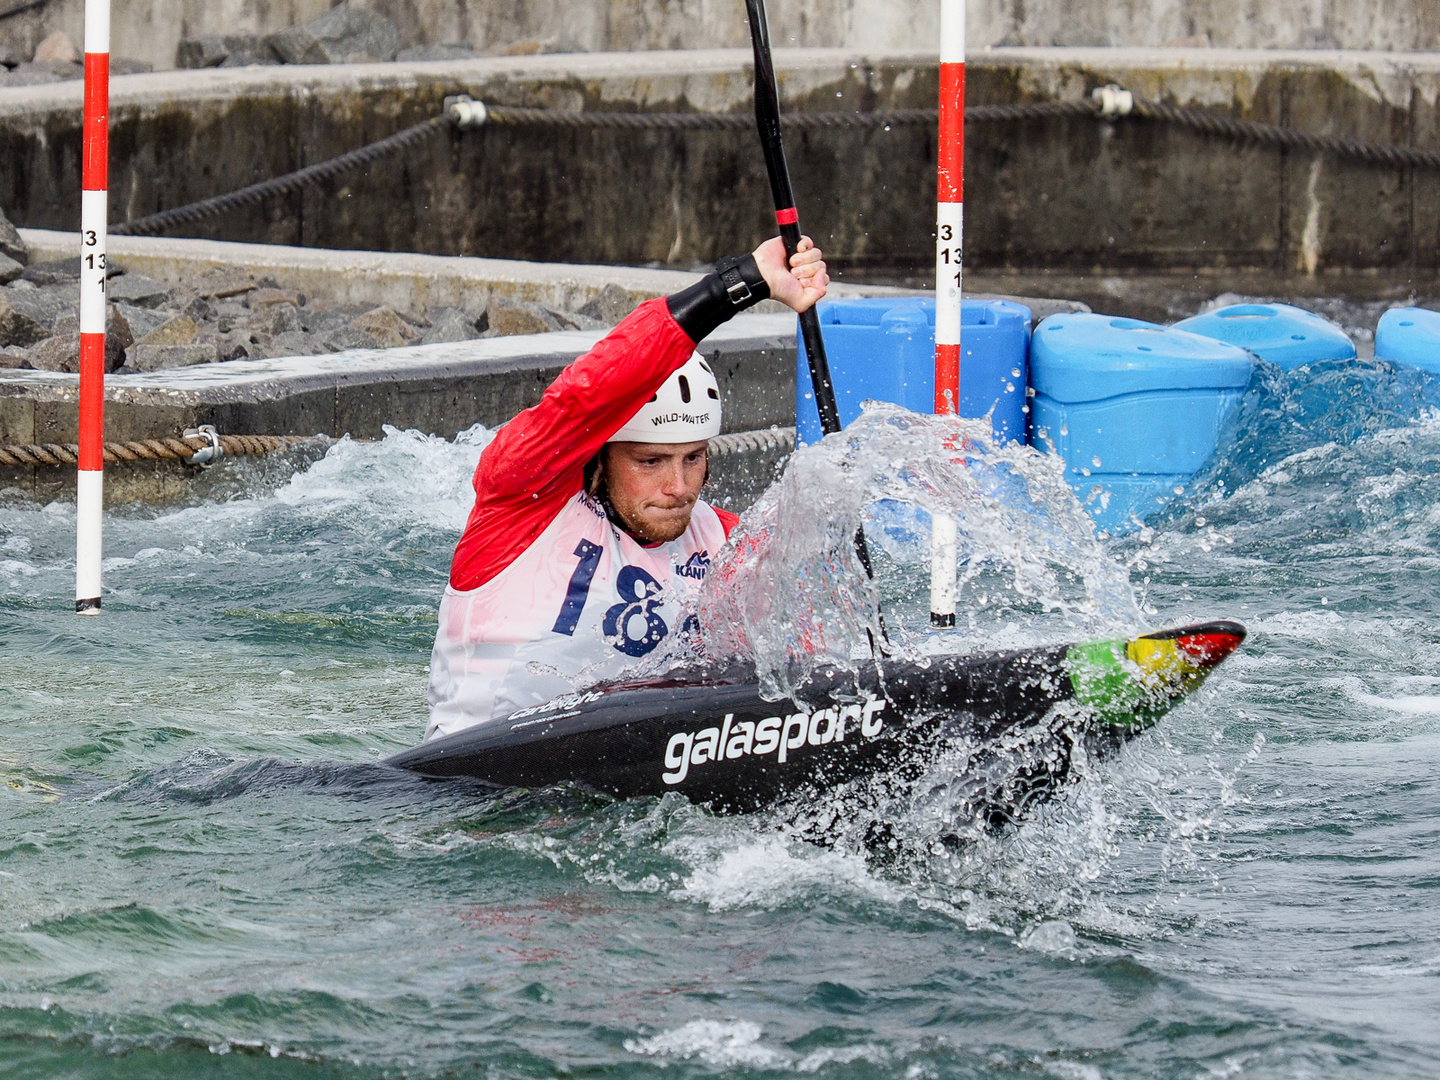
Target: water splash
(1284, 413)
(794, 595)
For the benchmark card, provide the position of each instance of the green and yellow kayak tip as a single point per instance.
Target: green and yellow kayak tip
(1128, 685)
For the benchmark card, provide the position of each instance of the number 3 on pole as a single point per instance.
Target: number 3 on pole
(94, 212)
(949, 259)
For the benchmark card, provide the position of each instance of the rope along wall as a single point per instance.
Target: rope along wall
(767, 440)
(148, 449)
(465, 113)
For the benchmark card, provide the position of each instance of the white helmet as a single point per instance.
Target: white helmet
(685, 409)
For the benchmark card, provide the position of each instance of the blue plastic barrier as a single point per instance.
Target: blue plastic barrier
(884, 349)
(1135, 409)
(1410, 336)
(1284, 335)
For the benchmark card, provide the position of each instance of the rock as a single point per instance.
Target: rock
(612, 305)
(63, 69)
(327, 320)
(221, 283)
(54, 273)
(573, 320)
(8, 56)
(181, 330)
(136, 289)
(285, 319)
(234, 345)
(56, 46)
(293, 343)
(201, 309)
(29, 75)
(138, 321)
(449, 51)
(346, 338)
(224, 50)
(9, 269)
(62, 353)
(28, 315)
(509, 317)
(15, 358)
(448, 324)
(65, 272)
(264, 296)
(143, 357)
(119, 65)
(118, 328)
(264, 56)
(386, 327)
(206, 51)
(59, 353)
(343, 35)
(10, 243)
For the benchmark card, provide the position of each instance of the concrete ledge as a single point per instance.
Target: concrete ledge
(439, 389)
(402, 280)
(708, 79)
(715, 80)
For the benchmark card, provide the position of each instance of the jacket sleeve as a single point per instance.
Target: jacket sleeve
(535, 463)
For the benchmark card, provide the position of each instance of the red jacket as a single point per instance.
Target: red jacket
(536, 462)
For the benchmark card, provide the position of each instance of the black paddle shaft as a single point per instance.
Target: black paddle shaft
(767, 118)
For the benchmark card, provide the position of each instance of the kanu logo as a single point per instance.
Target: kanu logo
(680, 417)
(696, 566)
(773, 735)
(569, 701)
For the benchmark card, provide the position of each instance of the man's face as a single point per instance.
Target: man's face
(653, 486)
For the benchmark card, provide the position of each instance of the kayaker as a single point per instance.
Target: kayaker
(588, 535)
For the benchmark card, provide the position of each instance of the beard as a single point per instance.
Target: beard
(659, 528)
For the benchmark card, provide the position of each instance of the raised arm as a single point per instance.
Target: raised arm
(536, 461)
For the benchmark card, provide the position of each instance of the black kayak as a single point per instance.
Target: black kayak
(709, 735)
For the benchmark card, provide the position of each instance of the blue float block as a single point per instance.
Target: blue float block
(884, 349)
(1410, 336)
(1135, 409)
(1283, 335)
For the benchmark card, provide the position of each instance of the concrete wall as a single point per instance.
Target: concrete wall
(441, 389)
(1077, 195)
(150, 29)
(673, 199)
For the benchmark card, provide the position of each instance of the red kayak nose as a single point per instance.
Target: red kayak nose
(1204, 644)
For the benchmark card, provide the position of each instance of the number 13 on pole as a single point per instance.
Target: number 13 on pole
(949, 248)
(94, 172)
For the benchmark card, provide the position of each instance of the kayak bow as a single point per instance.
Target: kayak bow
(709, 735)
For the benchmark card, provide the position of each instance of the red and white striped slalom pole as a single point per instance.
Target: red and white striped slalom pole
(95, 179)
(949, 245)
